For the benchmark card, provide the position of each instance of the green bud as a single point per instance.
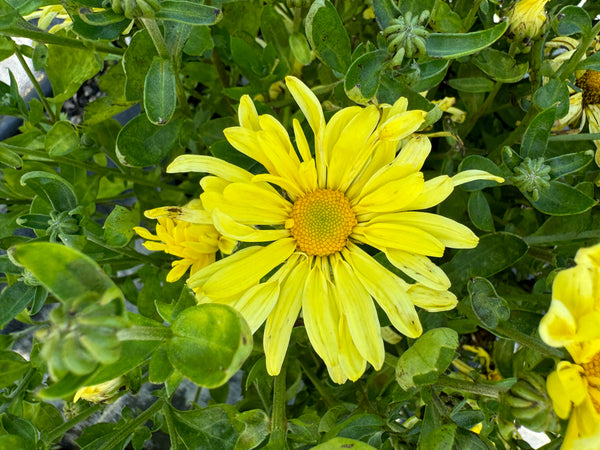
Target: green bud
(406, 36)
(532, 175)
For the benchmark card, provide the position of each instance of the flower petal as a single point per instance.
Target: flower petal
(431, 300)
(352, 363)
(414, 153)
(301, 141)
(467, 176)
(257, 303)
(308, 103)
(434, 192)
(401, 125)
(399, 236)
(246, 141)
(387, 289)
(558, 326)
(391, 196)
(208, 164)
(191, 215)
(230, 228)
(419, 268)
(247, 114)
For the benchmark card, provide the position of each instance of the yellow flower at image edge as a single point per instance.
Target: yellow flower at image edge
(355, 189)
(195, 244)
(527, 18)
(572, 321)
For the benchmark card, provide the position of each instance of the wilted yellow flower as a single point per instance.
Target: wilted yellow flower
(572, 321)
(447, 105)
(196, 244)
(527, 18)
(355, 189)
(100, 392)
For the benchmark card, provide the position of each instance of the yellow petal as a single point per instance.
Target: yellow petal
(301, 141)
(246, 141)
(191, 215)
(243, 211)
(392, 196)
(179, 268)
(257, 303)
(434, 192)
(413, 153)
(398, 236)
(573, 382)
(336, 126)
(200, 277)
(208, 164)
(241, 275)
(352, 363)
(401, 125)
(258, 196)
(382, 154)
(283, 164)
(360, 313)
(228, 227)
(419, 268)
(283, 316)
(387, 289)
(558, 326)
(575, 289)
(467, 176)
(272, 126)
(247, 114)
(145, 234)
(308, 103)
(431, 300)
(561, 403)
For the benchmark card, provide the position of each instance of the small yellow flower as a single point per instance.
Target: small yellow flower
(313, 208)
(527, 18)
(100, 392)
(572, 321)
(446, 104)
(194, 243)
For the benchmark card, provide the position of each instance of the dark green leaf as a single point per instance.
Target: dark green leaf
(554, 92)
(12, 367)
(136, 61)
(477, 162)
(500, 66)
(427, 358)
(141, 143)
(40, 56)
(455, 45)
(362, 79)
(494, 253)
(535, 139)
(573, 19)
(191, 13)
(341, 443)
(160, 95)
(13, 300)
(10, 158)
(199, 41)
(118, 227)
(8, 15)
(475, 84)
(53, 188)
(479, 212)
(257, 428)
(61, 139)
(570, 163)
(431, 74)
(592, 62)
(489, 308)
(385, 11)
(327, 35)
(560, 199)
(441, 438)
(357, 427)
(160, 367)
(210, 428)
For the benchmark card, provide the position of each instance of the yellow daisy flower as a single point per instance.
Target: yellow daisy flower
(196, 244)
(527, 18)
(313, 211)
(572, 321)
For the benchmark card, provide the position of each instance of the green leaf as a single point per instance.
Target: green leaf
(573, 19)
(136, 61)
(300, 48)
(494, 253)
(10, 158)
(53, 188)
(70, 276)
(554, 92)
(535, 139)
(191, 13)
(385, 11)
(118, 227)
(489, 308)
(570, 163)
(210, 343)
(474, 84)
(477, 162)
(257, 427)
(160, 368)
(210, 428)
(362, 79)
(592, 62)
(560, 199)
(12, 367)
(342, 443)
(68, 68)
(358, 426)
(100, 18)
(160, 95)
(500, 66)
(199, 42)
(427, 358)
(274, 31)
(17, 426)
(61, 139)
(440, 438)
(40, 56)
(13, 300)
(479, 212)
(8, 15)
(141, 143)
(431, 74)
(328, 36)
(455, 45)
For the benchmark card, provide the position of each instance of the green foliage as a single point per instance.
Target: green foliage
(82, 303)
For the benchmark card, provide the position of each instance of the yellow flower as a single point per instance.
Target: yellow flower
(196, 244)
(527, 18)
(314, 209)
(572, 321)
(447, 105)
(99, 392)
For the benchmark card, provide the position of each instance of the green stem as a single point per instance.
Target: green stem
(278, 419)
(568, 67)
(471, 17)
(36, 85)
(518, 132)
(18, 391)
(507, 330)
(487, 390)
(575, 137)
(59, 431)
(138, 333)
(468, 126)
(122, 251)
(327, 398)
(157, 37)
(535, 70)
(35, 34)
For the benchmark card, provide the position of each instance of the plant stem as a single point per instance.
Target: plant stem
(59, 431)
(278, 419)
(569, 65)
(36, 85)
(487, 390)
(35, 34)
(157, 37)
(575, 137)
(138, 333)
(328, 399)
(17, 392)
(466, 129)
(122, 251)
(507, 330)
(470, 19)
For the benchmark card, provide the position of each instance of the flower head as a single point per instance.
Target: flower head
(527, 18)
(100, 392)
(196, 244)
(314, 209)
(572, 321)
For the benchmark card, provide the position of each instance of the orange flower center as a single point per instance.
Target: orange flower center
(321, 222)
(592, 374)
(589, 83)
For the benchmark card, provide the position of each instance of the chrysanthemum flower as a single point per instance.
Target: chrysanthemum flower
(314, 210)
(527, 18)
(572, 321)
(196, 244)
